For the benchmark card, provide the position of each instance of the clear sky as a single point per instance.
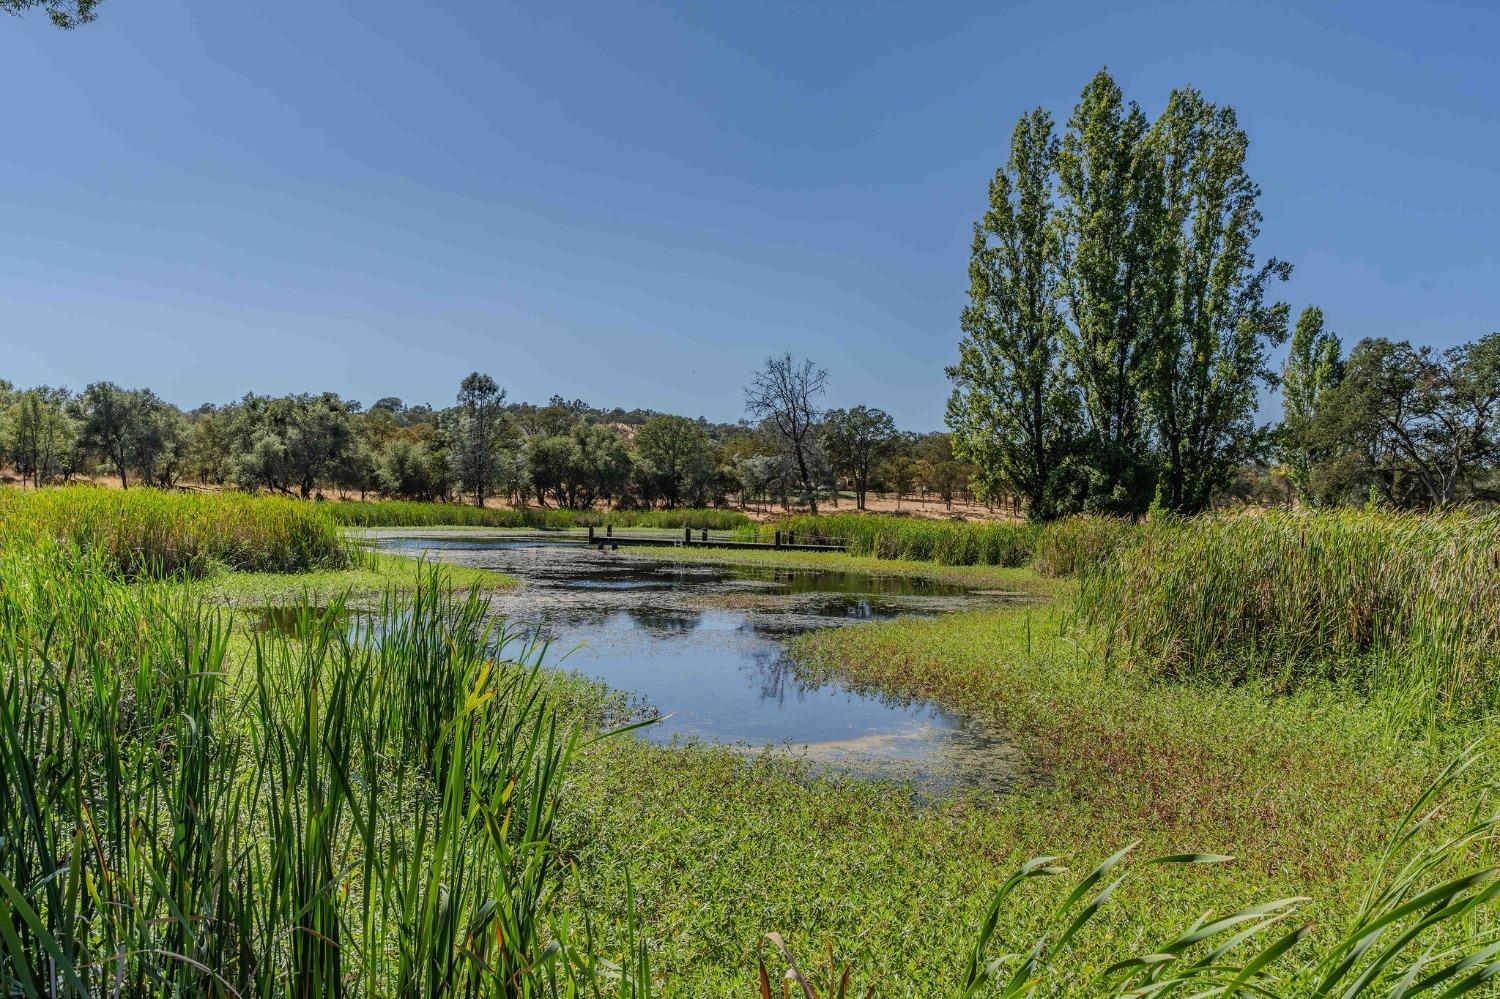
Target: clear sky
(636, 203)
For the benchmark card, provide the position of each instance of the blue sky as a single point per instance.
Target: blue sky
(636, 203)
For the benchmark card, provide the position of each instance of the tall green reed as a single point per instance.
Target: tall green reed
(148, 532)
(1396, 603)
(348, 809)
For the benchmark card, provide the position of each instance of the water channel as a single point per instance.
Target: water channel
(705, 645)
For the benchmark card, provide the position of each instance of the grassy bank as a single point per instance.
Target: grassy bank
(372, 574)
(978, 577)
(1304, 792)
(392, 513)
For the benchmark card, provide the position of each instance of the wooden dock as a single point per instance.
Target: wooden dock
(704, 539)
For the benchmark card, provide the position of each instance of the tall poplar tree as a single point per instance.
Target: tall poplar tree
(1110, 210)
(1212, 353)
(1013, 411)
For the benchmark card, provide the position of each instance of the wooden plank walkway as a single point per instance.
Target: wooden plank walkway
(702, 539)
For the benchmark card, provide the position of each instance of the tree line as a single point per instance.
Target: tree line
(788, 450)
(1119, 332)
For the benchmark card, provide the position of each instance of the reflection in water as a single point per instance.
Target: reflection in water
(664, 623)
(704, 644)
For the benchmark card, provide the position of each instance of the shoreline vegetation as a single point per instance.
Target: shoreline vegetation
(422, 805)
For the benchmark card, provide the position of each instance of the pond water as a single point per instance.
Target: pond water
(705, 645)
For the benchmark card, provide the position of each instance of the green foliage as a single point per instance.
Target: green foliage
(39, 435)
(1114, 232)
(146, 532)
(475, 433)
(1014, 412)
(1067, 547)
(1420, 427)
(1314, 365)
(1117, 330)
(1201, 387)
(122, 425)
(856, 441)
(675, 464)
(1389, 602)
(368, 812)
(289, 442)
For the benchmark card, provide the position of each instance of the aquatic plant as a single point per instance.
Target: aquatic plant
(1400, 603)
(149, 532)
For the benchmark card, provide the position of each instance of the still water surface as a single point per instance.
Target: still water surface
(704, 644)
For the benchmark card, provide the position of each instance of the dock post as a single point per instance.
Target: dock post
(591, 534)
(609, 530)
(704, 536)
(777, 543)
(687, 535)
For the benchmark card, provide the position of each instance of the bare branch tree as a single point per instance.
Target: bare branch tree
(781, 395)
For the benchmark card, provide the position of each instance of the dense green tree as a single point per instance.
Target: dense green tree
(476, 435)
(856, 440)
(899, 471)
(1111, 214)
(601, 468)
(412, 468)
(1212, 351)
(170, 457)
(550, 465)
(209, 444)
(674, 460)
(290, 442)
(1013, 412)
(121, 426)
(1417, 425)
(1314, 365)
(39, 433)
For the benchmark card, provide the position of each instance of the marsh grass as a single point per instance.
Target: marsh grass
(1400, 605)
(908, 538)
(151, 533)
(399, 513)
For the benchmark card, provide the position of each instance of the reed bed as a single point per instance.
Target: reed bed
(1061, 548)
(148, 532)
(401, 513)
(1403, 603)
(911, 539)
(360, 811)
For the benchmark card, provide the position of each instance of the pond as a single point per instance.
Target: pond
(705, 645)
